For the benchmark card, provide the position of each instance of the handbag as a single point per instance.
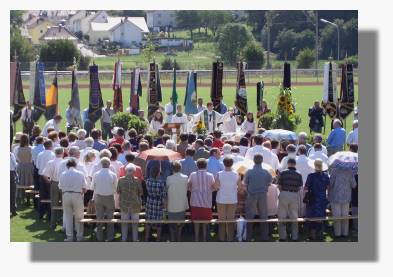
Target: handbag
(91, 207)
(308, 198)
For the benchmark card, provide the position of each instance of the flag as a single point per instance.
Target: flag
(347, 94)
(260, 88)
(95, 95)
(52, 99)
(75, 101)
(17, 95)
(39, 97)
(190, 101)
(136, 90)
(287, 76)
(32, 81)
(216, 87)
(174, 92)
(241, 92)
(329, 101)
(116, 84)
(154, 90)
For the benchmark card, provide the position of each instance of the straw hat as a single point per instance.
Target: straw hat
(318, 165)
(18, 135)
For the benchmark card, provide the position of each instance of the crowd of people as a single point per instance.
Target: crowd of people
(101, 170)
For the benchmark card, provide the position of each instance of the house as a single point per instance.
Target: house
(127, 31)
(80, 21)
(36, 27)
(160, 20)
(58, 32)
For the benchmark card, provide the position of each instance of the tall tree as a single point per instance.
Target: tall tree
(214, 19)
(189, 20)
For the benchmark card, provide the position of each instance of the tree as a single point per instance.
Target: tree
(253, 53)
(149, 50)
(60, 52)
(286, 44)
(19, 45)
(305, 58)
(189, 20)
(232, 38)
(214, 19)
(16, 19)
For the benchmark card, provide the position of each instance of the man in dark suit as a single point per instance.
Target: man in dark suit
(316, 114)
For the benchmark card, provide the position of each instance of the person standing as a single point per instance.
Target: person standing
(316, 186)
(156, 123)
(342, 181)
(257, 181)
(268, 156)
(130, 192)
(353, 136)
(200, 150)
(25, 168)
(51, 175)
(228, 183)
(13, 182)
(73, 184)
(177, 199)
(336, 138)
(73, 118)
(210, 118)
(180, 118)
(106, 120)
(201, 184)
(200, 105)
(188, 164)
(316, 114)
(156, 194)
(27, 118)
(248, 125)
(53, 123)
(289, 183)
(104, 185)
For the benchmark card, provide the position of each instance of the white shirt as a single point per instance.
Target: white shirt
(227, 193)
(177, 192)
(169, 108)
(62, 167)
(248, 127)
(229, 125)
(243, 150)
(51, 168)
(89, 176)
(319, 155)
(104, 182)
(312, 150)
(49, 124)
(72, 180)
(97, 167)
(201, 108)
(116, 166)
(155, 125)
(13, 163)
(80, 143)
(284, 161)
(87, 150)
(353, 137)
(42, 160)
(212, 125)
(107, 115)
(181, 119)
(302, 165)
(268, 156)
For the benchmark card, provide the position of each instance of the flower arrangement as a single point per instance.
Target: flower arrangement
(201, 128)
(285, 117)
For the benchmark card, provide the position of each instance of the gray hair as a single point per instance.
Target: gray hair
(74, 151)
(81, 133)
(105, 162)
(105, 153)
(59, 151)
(170, 144)
(130, 169)
(89, 142)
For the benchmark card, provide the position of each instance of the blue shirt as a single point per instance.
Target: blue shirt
(214, 166)
(35, 151)
(188, 166)
(337, 137)
(98, 145)
(257, 179)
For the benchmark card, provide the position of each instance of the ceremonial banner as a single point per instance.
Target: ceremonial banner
(75, 101)
(260, 88)
(216, 88)
(347, 92)
(95, 96)
(241, 92)
(18, 97)
(52, 100)
(136, 91)
(174, 92)
(39, 99)
(13, 77)
(190, 101)
(116, 84)
(287, 76)
(154, 93)
(329, 101)
(32, 81)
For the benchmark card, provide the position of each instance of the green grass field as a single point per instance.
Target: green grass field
(304, 97)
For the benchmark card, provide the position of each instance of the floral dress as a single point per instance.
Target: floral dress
(156, 194)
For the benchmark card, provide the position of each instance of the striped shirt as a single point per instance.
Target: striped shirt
(201, 188)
